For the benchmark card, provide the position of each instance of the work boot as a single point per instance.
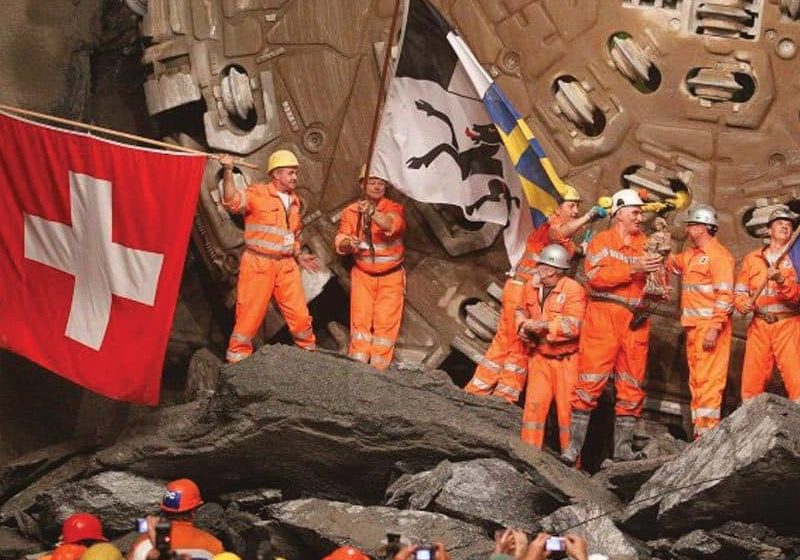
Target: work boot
(578, 427)
(624, 427)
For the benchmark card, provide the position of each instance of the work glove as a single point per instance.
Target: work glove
(598, 213)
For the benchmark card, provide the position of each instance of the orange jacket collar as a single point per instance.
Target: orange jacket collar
(621, 240)
(273, 190)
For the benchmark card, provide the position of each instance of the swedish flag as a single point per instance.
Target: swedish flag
(540, 182)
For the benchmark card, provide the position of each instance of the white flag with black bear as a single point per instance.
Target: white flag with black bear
(437, 143)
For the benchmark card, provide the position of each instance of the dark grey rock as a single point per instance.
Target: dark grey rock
(210, 517)
(417, 491)
(590, 522)
(625, 478)
(494, 494)
(662, 445)
(720, 545)
(202, 375)
(660, 548)
(252, 501)
(117, 498)
(698, 544)
(565, 485)
(318, 526)
(789, 545)
(16, 475)
(755, 531)
(73, 469)
(28, 526)
(14, 545)
(747, 469)
(314, 424)
(242, 532)
(736, 547)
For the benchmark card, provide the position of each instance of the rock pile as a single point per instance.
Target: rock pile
(312, 451)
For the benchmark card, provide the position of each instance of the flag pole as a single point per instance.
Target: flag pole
(117, 133)
(376, 117)
(786, 249)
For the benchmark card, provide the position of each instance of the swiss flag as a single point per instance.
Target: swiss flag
(92, 247)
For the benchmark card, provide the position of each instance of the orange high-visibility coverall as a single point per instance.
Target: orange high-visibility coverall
(503, 368)
(377, 286)
(185, 539)
(553, 363)
(268, 267)
(706, 302)
(770, 342)
(74, 550)
(607, 343)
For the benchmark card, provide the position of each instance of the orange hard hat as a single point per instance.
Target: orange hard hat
(346, 553)
(181, 495)
(68, 552)
(82, 527)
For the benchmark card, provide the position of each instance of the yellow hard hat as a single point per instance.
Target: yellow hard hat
(281, 158)
(571, 194)
(226, 556)
(102, 551)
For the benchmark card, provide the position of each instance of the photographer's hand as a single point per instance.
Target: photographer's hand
(520, 544)
(308, 261)
(576, 547)
(406, 554)
(441, 553)
(152, 521)
(536, 550)
(504, 542)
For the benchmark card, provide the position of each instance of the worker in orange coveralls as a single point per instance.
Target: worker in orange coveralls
(548, 321)
(179, 507)
(706, 272)
(774, 333)
(371, 229)
(616, 267)
(503, 368)
(272, 257)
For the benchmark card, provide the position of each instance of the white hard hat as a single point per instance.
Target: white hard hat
(702, 214)
(782, 213)
(554, 255)
(623, 198)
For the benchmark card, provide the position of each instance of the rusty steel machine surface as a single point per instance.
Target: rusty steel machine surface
(662, 95)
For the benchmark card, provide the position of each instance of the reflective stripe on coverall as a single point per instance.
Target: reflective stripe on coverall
(503, 368)
(706, 302)
(268, 268)
(607, 344)
(377, 289)
(185, 539)
(766, 342)
(553, 365)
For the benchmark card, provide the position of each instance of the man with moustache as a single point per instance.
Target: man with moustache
(272, 258)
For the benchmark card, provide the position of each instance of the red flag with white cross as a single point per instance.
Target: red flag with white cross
(92, 247)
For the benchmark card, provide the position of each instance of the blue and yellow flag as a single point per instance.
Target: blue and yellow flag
(540, 182)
